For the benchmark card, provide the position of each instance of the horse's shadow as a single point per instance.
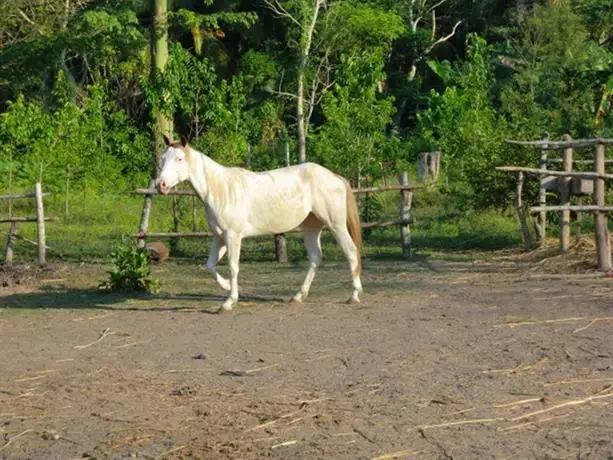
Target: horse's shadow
(76, 299)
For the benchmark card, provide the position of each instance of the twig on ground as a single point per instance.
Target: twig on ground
(517, 403)
(460, 422)
(518, 368)
(394, 455)
(552, 321)
(572, 381)
(283, 444)
(104, 334)
(574, 402)
(164, 454)
(8, 443)
(257, 369)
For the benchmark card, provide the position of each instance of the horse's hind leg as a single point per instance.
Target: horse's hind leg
(312, 233)
(218, 249)
(233, 241)
(351, 253)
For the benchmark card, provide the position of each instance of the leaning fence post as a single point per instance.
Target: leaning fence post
(144, 217)
(40, 223)
(603, 248)
(521, 214)
(541, 224)
(565, 183)
(10, 245)
(405, 214)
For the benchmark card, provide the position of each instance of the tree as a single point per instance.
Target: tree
(303, 14)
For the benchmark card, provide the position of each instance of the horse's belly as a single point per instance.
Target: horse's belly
(276, 216)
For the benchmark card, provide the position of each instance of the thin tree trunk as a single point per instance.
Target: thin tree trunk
(159, 54)
(304, 59)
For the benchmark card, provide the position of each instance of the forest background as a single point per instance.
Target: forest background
(362, 87)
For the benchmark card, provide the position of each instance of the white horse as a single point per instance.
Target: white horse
(241, 203)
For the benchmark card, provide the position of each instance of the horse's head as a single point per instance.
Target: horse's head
(174, 165)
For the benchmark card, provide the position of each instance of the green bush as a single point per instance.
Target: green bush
(130, 271)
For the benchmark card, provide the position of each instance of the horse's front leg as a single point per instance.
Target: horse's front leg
(218, 249)
(233, 243)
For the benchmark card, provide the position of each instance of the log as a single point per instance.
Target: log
(26, 219)
(577, 208)
(382, 223)
(143, 235)
(22, 195)
(577, 162)
(559, 145)
(586, 174)
(603, 248)
(40, 224)
(387, 188)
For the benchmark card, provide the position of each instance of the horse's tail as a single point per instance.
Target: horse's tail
(353, 222)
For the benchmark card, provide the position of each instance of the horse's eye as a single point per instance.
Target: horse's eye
(179, 158)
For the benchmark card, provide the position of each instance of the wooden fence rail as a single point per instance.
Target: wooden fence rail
(40, 220)
(404, 221)
(566, 183)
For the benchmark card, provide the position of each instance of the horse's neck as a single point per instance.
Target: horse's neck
(207, 177)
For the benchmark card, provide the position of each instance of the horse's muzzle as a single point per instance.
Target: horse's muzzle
(162, 187)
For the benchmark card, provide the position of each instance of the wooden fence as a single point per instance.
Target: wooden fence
(40, 220)
(567, 183)
(403, 221)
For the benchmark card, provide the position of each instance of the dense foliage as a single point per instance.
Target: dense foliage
(382, 80)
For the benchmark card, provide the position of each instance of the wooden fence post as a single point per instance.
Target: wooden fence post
(280, 243)
(603, 248)
(10, 245)
(521, 214)
(280, 248)
(144, 217)
(565, 183)
(541, 223)
(406, 197)
(40, 224)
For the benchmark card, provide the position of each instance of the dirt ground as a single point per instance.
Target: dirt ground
(442, 360)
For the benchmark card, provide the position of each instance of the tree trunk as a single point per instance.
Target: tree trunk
(159, 59)
(304, 59)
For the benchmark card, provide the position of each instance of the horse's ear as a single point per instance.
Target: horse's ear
(166, 140)
(184, 141)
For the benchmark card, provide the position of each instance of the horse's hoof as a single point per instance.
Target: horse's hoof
(353, 301)
(223, 310)
(295, 300)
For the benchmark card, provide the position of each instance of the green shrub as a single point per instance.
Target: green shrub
(130, 271)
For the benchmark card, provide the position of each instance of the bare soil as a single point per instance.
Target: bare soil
(442, 360)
